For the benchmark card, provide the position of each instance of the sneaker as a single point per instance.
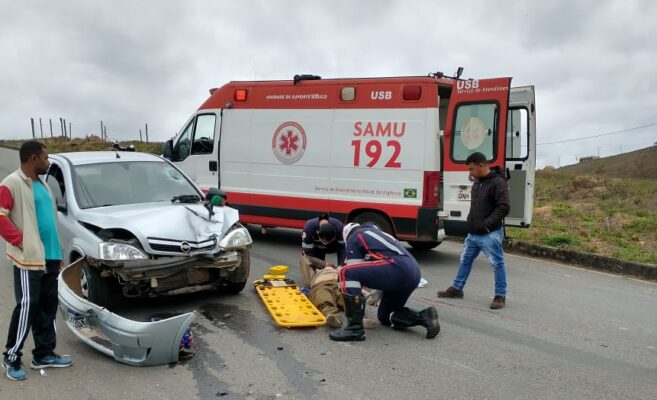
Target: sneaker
(498, 302)
(51, 361)
(14, 370)
(451, 293)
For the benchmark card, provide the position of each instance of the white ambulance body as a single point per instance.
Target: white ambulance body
(389, 150)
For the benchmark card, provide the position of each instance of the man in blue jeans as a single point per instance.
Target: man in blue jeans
(489, 204)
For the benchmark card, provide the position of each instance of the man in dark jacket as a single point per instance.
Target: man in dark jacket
(489, 204)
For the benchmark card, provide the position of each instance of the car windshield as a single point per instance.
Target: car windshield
(128, 182)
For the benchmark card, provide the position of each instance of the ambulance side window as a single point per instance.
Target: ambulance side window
(517, 134)
(474, 131)
(184, 145)
(204, 134)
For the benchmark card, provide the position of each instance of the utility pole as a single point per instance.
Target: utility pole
(140, 140)
(32, 122)
(147, 133)
(70, 132)
(65, 132)
(61, 126)
(105, 132)
(41, 128)
(50, 120)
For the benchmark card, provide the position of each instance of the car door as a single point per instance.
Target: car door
(61, 194)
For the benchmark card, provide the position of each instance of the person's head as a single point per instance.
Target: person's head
(477, 165)
(34, 157)
(326, 231)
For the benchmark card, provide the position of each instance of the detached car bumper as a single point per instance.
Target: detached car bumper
(131, 342)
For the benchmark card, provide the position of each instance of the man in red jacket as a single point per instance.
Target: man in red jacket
(28, 223)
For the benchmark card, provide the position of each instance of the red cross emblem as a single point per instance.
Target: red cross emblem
(289, 142)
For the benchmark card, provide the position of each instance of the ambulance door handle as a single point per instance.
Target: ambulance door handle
(213, 166)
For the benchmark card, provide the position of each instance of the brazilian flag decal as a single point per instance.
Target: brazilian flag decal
(410, 193)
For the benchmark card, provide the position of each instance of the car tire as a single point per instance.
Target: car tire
(237, 278)
(376, 218)
(424, 246)
(94, 287)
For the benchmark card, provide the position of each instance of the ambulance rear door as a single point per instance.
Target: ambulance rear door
(521, 155)
(476, 122)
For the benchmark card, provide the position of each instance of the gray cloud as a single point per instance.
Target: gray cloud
(132, 62)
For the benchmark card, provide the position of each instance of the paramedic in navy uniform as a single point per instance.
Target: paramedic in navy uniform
(323, 235)
(376, 260)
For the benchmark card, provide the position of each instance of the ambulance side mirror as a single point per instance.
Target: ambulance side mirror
(168, 150)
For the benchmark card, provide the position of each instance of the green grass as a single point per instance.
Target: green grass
(60, 145)
(609, 216)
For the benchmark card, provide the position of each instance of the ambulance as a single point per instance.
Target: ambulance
(389, 150)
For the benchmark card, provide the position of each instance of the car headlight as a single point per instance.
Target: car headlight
(236, 238)
(119, 252)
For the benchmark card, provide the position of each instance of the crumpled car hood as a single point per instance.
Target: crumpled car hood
(131, 342)
(187, 222)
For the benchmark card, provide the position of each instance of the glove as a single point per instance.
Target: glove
(374, 297)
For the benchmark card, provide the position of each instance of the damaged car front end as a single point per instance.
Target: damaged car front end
(134, 225)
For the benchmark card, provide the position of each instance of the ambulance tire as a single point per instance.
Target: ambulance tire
(423, 246)
(237, 279)
(377, 218)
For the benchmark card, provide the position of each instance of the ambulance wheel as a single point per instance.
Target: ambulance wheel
(377, 218)
(237, 279)
(423, 246)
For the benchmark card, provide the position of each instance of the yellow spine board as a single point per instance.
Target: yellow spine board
(287, 305)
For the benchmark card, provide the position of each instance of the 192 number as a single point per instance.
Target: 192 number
(374, 149)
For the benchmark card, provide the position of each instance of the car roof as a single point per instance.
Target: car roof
(99, 157)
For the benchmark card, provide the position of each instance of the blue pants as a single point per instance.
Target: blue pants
(396, 277)
(491, 245)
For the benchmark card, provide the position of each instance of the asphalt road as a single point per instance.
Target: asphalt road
(566, 333)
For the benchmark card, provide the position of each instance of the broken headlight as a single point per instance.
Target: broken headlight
(236, 238)
(112, 251)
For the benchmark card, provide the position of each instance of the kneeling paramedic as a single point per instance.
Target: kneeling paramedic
(323, 235)
(376, 260)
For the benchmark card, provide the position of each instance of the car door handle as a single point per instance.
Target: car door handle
(213, 166)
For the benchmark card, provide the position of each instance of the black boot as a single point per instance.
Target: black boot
(354, 309)
(406, 318)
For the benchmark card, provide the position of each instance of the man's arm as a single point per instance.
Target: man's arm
(8, 230)
(307, 242)
(501, 210)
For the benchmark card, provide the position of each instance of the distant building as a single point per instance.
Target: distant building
(588, 158)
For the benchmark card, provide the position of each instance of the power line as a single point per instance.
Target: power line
(602, 134)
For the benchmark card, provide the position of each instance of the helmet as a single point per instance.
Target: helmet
(348, 229)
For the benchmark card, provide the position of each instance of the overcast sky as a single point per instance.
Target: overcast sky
(593, 63)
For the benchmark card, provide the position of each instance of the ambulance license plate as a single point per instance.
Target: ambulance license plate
(463, 194)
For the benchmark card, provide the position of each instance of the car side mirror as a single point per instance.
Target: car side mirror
(168, 150)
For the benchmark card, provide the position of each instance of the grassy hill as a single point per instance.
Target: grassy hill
(598, 213)
(641, 164)
(93, 143)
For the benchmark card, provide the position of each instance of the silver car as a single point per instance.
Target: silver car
(142, 228)
(134, 224)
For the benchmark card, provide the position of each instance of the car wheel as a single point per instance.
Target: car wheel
(95, 288)
(237, 278)
(376, 218)
(423, 246)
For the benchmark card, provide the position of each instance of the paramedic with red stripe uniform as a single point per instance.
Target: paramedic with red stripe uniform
(376, 260)
(28, 223)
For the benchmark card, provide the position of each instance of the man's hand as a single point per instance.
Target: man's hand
(329, 265)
